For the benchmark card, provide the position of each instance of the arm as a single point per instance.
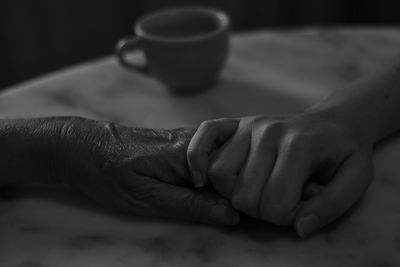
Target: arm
(371, 105)
(132, 170)
(29, 151)
(304, 170)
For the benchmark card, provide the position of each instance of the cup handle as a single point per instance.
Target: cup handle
(124, 45)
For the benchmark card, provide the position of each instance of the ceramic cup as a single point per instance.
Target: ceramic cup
(185, 48)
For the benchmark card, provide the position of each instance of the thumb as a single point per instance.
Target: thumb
(169, 201)
(345, 189)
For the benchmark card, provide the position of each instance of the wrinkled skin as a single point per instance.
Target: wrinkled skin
(139, 171)
(132, 170)
(312, 166)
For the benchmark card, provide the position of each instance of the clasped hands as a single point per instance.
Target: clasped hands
(305, 170)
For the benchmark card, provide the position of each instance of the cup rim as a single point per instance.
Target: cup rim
(221, 16)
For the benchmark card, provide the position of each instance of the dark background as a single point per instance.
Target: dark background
(43, 35)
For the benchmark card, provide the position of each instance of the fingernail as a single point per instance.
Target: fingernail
(221, 214)
(197, 179)
(307, 225)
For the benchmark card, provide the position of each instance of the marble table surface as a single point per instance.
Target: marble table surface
(268, 72)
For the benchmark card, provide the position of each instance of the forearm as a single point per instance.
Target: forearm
(372, 105)
(29, 150)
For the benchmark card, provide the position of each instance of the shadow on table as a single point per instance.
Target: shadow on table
(249, 228)
(256, 230)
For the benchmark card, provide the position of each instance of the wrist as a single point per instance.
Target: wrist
(350, 116)
(370, 104)
(30, 152)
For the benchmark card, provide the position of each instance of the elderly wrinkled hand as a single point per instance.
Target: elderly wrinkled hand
(133, 170)
(304, 170)
(140, 171)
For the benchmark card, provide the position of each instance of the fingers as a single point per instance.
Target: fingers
(351, 180)
(249, 185)
(228, 162)
(283, 190)
(159, 199)
(205, 141)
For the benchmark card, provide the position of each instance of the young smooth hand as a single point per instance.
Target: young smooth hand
(305, 170)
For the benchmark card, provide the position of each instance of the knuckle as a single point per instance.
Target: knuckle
(276, 127)
(222, 120)
(297, 142)
(262, 122)
(267, 133)
(258, 121)
(208, 125)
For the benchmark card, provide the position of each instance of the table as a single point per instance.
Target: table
(269, 72)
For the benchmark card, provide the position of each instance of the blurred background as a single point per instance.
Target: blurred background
(44, 35)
